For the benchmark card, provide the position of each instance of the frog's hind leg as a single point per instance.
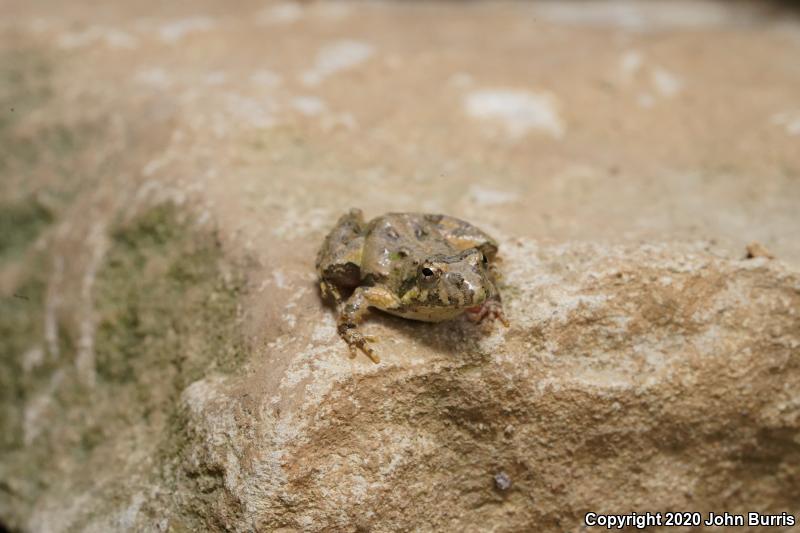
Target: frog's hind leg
(352, 312)
(339, 258)
(343, 240)
(462, 235)
(330, 291)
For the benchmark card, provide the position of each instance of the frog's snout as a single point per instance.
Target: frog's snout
(465, 289)
(456, 279)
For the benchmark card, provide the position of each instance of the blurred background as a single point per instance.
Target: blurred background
(556, 120)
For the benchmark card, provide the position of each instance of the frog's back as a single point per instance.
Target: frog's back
(462, 235)
(396, 243)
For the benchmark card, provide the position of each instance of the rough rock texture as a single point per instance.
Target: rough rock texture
(168, 171)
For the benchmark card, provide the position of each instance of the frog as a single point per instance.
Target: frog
(418, 266)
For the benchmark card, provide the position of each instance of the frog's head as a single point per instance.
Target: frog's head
(456, 282)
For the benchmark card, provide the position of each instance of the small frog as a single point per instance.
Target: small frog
(418, 266)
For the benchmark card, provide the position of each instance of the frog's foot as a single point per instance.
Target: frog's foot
(357, 341)
(329, 291)
(352, 312)
(492, 309)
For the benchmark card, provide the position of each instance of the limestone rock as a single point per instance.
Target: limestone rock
(651, 377)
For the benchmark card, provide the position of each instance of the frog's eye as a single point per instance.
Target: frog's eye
(427, 272)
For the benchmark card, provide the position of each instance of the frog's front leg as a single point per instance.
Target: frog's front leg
(352, 312)
(491, 308)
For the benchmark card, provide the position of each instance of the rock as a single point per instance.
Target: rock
(662, 371)
(502, 481)
(756, 249)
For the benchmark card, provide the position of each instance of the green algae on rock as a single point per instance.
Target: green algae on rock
(166, 306)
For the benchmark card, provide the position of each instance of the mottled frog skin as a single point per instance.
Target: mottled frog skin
(417, 266)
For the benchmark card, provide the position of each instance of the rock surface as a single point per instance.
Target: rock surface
(169, 171)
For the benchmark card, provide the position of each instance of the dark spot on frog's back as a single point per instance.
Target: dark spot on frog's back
(420, 232)
(392, 233)
(434, 218)
(402, 253)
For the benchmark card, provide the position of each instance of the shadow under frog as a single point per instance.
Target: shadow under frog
(422, 267)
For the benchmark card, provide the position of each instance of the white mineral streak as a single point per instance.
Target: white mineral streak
(789, 120)
(519, 112)
(337, 57)
(175, 31)
(283, 13)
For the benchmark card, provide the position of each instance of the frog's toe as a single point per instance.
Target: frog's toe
(474, 315)
(502, 318)
(369, 352)
(493, 310)
(362, 343)
(356, 341)
(330, 291)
